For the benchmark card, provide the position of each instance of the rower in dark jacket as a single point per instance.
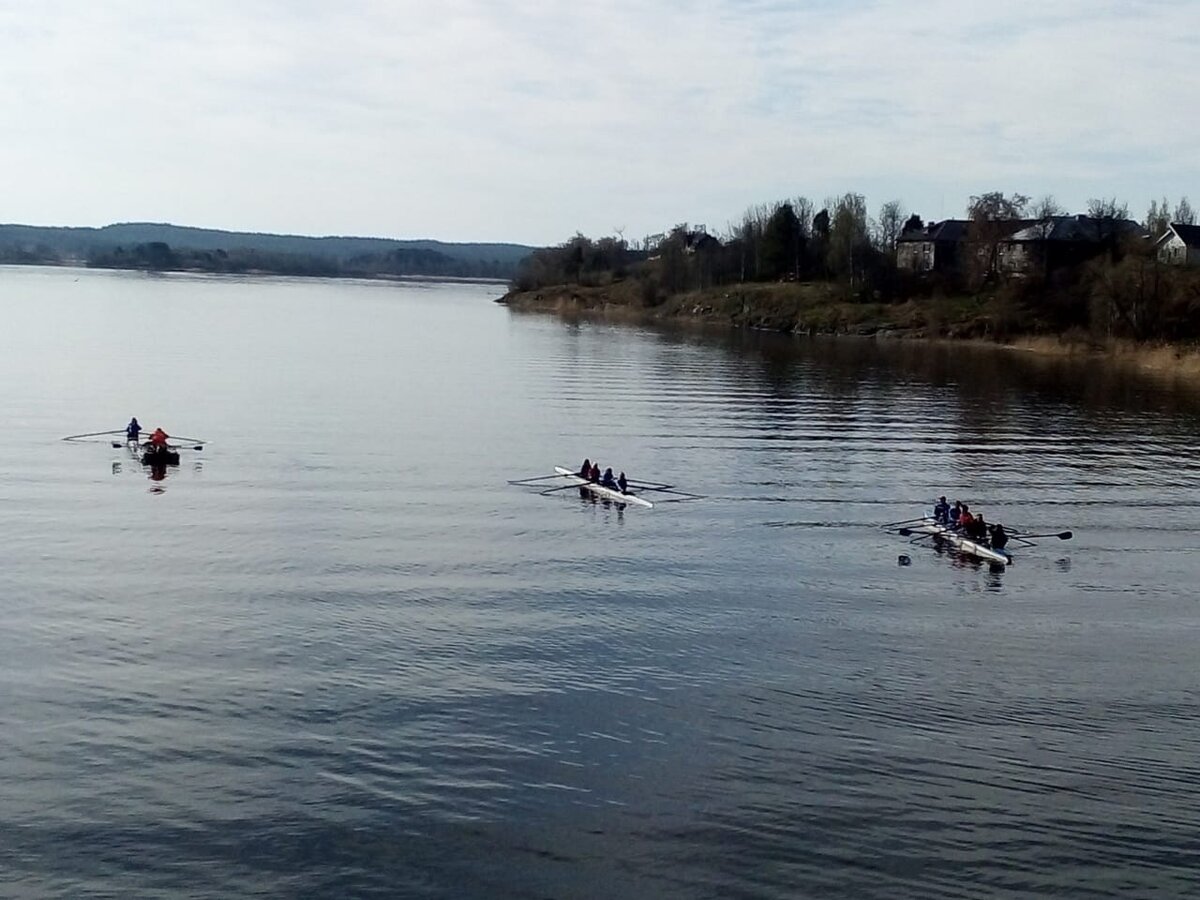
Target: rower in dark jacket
(999, 537)
(622, 484)
(978, 529)
(607, 480)
(941, 512)
(585, 471)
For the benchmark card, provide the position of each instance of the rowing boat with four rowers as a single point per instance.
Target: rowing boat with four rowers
(967, 533)
(964, 544)
(619, 490)
(601, 489)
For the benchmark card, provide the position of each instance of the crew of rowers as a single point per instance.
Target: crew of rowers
(133, 434)
(960, 518)
(591, 471)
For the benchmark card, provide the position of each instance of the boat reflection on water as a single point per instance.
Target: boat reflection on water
(158, 473)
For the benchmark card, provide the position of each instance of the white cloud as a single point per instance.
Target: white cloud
(527, 121)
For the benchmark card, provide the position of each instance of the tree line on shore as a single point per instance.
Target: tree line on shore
(1123, 290)
(159, 256)
(164, 247)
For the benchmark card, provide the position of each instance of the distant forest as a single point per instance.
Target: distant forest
(160, 247)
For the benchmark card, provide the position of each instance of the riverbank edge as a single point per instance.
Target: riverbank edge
(815, 310)
(260, 273)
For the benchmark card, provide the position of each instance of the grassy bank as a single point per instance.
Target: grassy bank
(800, 308)
(820, 309)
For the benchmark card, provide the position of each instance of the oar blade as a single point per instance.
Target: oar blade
(1061, 535)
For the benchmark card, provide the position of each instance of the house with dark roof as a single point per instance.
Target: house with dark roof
(1180, 245)
(699, 240)
(1062, 242)
(936, 247)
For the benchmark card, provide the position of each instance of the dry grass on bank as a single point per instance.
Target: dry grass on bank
(1163, 359)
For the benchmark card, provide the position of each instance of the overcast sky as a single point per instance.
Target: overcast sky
(528, 121)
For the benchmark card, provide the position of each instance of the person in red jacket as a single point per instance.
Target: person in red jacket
(159, 438)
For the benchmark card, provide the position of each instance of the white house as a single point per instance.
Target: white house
(1180, 245)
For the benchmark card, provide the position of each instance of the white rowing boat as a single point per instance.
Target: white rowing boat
(604, 492)
(961, 543)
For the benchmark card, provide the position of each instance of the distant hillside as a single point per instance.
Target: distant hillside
(145, 245)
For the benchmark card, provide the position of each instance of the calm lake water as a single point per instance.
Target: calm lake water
(336, 654)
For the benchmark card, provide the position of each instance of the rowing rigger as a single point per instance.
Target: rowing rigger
(106, 437)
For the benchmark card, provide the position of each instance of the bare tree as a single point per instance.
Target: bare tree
(1107, 208)
(995, 207)
(848, 234)
(1183, 213)
(993, 217)
(1045, 207)
(890, 225)
(1108, 213)
(1158, 218)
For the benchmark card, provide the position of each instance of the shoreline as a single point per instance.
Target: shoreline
(813, 313)
(261, 273)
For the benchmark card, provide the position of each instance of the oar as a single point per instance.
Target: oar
(1061, 535)
(536, 478)
(564, 487)
(75, 437)
(170, 446)
(904, 522)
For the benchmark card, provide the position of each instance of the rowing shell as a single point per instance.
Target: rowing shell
(601, 491)
(961, 544)
(142, 454)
